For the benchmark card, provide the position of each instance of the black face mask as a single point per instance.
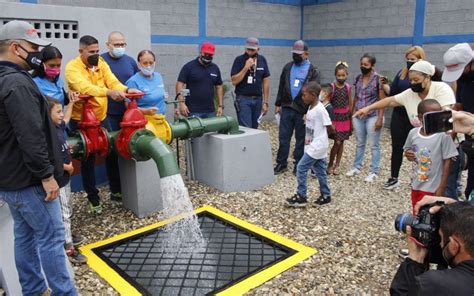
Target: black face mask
(417, 87)
(93, 60)
(447, 257)
(297, 58)
(206, 59)
(409, 64)
(341, 81)
(365, 71)
(33, 58)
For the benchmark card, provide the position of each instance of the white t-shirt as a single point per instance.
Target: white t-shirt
(439, 91)
(316, 139)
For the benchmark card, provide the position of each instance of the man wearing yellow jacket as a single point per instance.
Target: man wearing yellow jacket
(89, 74)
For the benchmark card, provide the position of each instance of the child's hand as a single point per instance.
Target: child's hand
(73, 96)
(410, 155)
(69, 168)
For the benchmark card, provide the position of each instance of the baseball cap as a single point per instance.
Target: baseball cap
(423, 67)
(208, 47)
(299, 47)
(251, 43)
(455, 59)
(21, 30)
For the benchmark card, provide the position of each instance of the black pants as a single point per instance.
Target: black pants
(400, 126)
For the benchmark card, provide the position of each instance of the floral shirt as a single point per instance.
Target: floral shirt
(367, 95)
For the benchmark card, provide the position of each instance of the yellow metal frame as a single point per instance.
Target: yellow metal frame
(239, 288)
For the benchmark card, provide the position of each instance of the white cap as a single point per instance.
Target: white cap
(16, 30)
(455, 59)
(423, 67)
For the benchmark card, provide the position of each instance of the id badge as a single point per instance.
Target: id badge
(297, 83)
(249, 80)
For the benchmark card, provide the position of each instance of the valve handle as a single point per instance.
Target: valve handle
(135, 95)
(85, 97)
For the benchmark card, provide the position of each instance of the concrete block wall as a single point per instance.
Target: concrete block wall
(449, 17)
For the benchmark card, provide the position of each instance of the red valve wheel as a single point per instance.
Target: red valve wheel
(135, 95)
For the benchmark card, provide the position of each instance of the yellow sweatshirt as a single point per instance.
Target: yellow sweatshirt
(95, 83)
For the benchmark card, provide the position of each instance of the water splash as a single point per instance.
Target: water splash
(182, 236)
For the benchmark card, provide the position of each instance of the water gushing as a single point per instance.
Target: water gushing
(183, 235)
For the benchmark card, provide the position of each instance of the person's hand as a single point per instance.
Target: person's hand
(410, 155)
(383, 80)
(134, 91)
(463, 122)
(416, 252)
(183, 109)
(51, 188)
(277, 109)
(73, 97)
(264, 108)
(361, 113)
(428, 199)
(249, 63)
(149, 111)
(378, 124)
(219, 111)
(69, 168)
(439, 192)
(116, 95)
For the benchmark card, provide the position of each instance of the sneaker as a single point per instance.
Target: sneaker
(403, 253)
(296, 201)
(280, 169)
(353, 172)
(371, 177)
(95, 207)
(323, 199)
(117, 196)
(77, 240)
(75, 256)
(391, 183)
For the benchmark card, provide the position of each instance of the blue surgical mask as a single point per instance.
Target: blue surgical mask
(118, 52)
(148, 71)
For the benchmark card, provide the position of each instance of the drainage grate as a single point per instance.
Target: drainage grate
(238, 256)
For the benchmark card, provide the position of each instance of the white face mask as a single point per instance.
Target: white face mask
(148, 71)
(321, 98)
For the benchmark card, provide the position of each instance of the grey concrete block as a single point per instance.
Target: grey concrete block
(141, 188)
(234, 162)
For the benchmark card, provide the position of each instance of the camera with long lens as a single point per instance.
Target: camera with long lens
(424, 229)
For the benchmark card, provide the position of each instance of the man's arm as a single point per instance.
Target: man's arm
(182, 108)
(77, 82)
(237, 78)
(220, 99)
(281, 89)
(266, 94)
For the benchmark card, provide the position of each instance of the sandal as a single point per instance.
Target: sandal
(330, 170)
(336, 170)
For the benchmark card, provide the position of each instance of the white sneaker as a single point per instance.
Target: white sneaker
(353, 172)
(371, 177)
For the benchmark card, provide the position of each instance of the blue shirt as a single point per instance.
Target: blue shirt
(298, 75)
(244, 88)
(51, 89)
(153, 88)
(123, 68)
(200, 80)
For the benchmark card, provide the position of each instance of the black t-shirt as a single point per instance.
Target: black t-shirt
(244, 88)
(465, 93)
(64, 147)
(200, 80)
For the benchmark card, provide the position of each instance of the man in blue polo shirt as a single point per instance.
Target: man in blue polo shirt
(123, 66)
(202, 77)
(249, 73)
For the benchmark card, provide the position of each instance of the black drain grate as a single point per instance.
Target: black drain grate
(232, 254)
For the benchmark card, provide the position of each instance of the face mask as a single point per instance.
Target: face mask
(52, 72)
(93, 60)
(297, 58)
(118, 52)
(365, 71)
(148, 71)
(341, 81)
(33, 58)
(409, 64)
(417, 87)
(206, 59)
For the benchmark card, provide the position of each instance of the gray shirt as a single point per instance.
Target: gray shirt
(430, 152)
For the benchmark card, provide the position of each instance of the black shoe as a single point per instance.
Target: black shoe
(280, 169)
(323, 199)
(391, 183)
(296, 201)
(77, 240)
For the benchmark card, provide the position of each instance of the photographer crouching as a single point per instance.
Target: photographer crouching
(442, 230)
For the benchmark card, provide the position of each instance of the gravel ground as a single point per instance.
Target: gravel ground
(354, 234)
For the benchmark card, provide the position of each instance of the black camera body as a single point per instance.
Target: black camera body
(424, 229)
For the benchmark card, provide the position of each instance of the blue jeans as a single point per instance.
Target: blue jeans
(202, 114)
(250, 110)
(454, 176)
(319, 167)
(39, 233)
(365, 130)
(290, 120)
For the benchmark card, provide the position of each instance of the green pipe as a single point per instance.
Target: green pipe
(144, 145)
(77, 143)
(194, 127)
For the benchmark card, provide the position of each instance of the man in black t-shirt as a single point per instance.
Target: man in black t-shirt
(250, 75)
(202, 77)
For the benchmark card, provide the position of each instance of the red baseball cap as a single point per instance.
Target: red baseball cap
(208, 47)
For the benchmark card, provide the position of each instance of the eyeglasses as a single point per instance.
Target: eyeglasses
(345, 64)
(119, 44)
